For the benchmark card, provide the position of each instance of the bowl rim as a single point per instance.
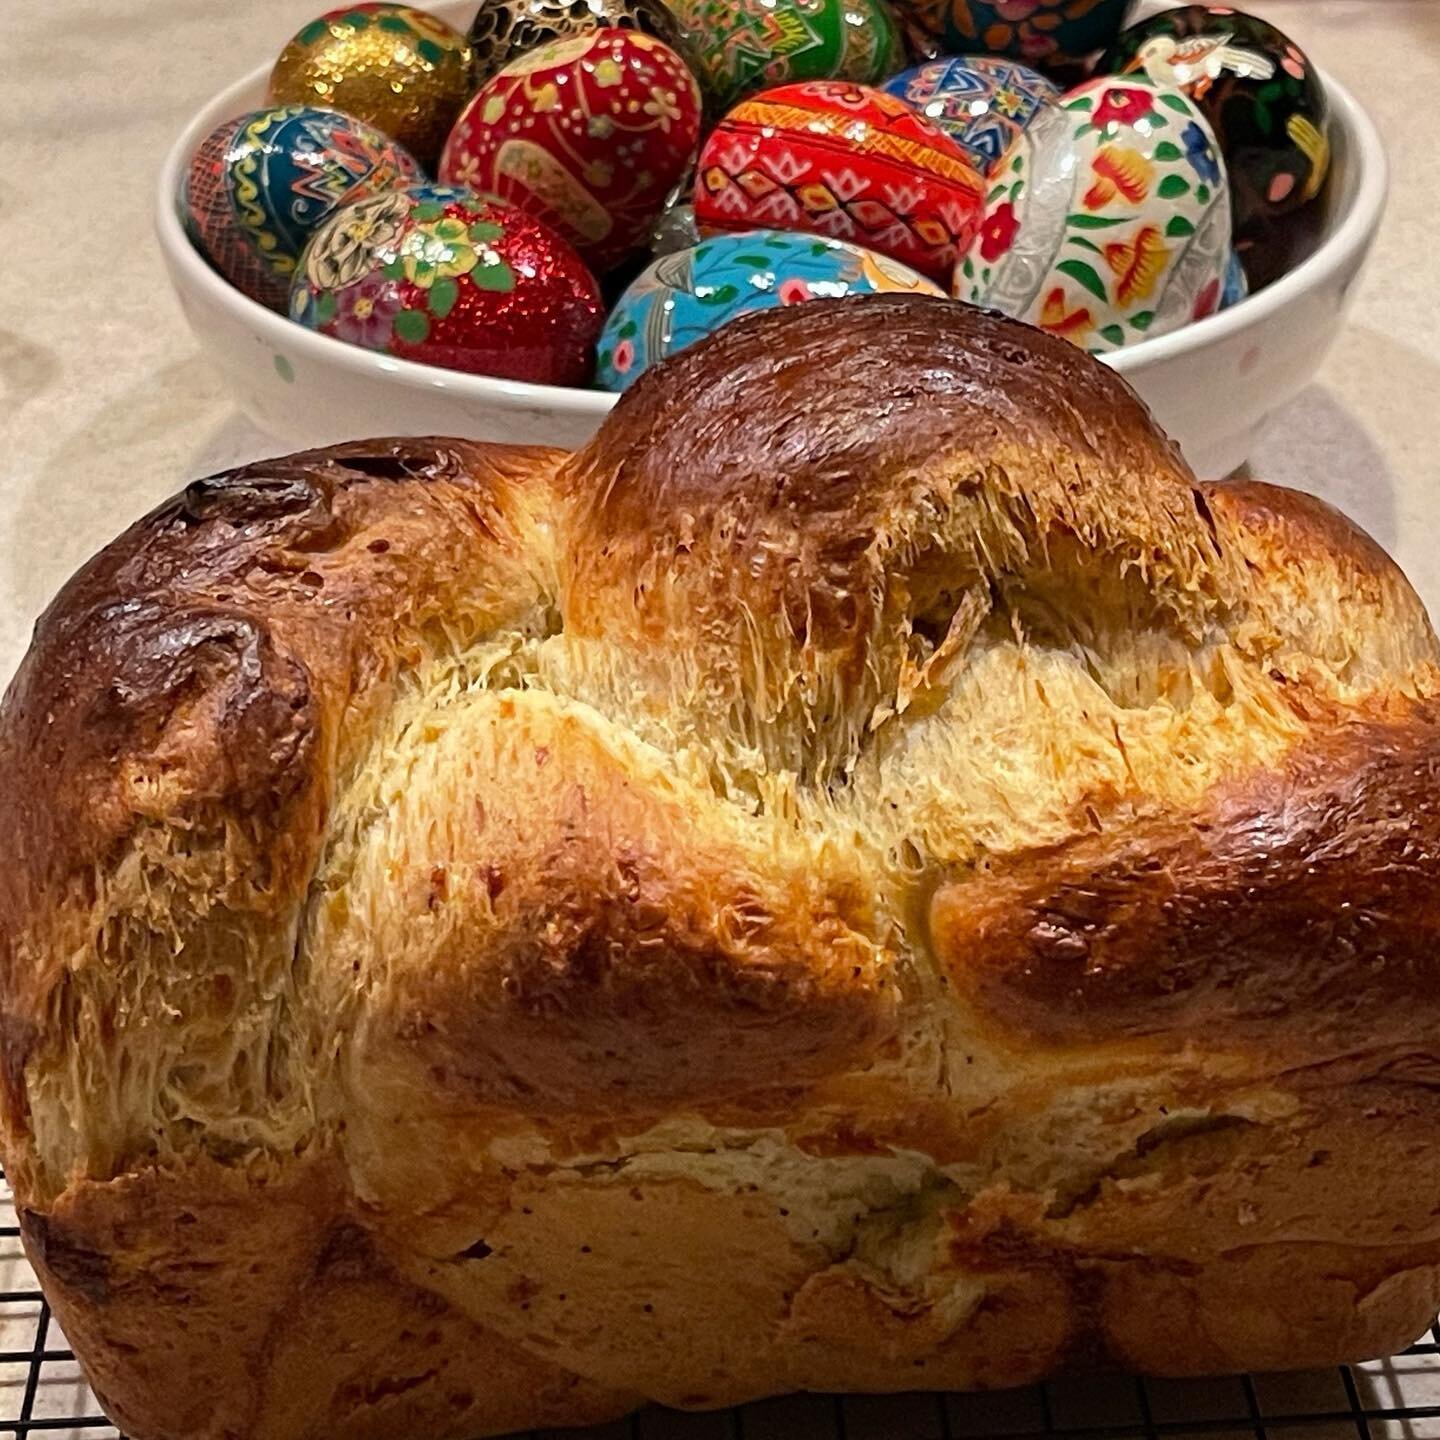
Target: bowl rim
(1351, 235)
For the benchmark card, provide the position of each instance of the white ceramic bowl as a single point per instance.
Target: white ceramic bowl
(1211, 385)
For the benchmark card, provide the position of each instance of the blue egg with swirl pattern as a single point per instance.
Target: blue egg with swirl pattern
(984, 103)
(259, 185)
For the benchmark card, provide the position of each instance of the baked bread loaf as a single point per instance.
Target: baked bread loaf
(867, 876)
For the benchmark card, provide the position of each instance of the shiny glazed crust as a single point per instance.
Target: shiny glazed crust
(867, 876)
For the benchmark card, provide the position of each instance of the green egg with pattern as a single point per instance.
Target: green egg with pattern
(743, 46)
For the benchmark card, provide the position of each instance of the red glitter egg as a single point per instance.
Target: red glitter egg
(590, 134)
(842, 160)
(440, 275)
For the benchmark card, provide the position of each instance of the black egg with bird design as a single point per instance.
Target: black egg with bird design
(1259, 92)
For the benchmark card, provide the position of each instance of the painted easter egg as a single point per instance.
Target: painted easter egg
(675, 229)
(686, 296)
(395, 67)
(1262, 97)
(982, 102)
(503, 30)
(1108, 223)
(1273, 250)
(445, 277)
(1046, 32)
(744, 46)
(259, 186)
(589, 134)
(846, 161)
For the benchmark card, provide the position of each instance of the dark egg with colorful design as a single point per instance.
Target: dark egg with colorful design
(1039, 32)
(846, 161)
(504, 30)
(439, 275)
(590, 135)
(1261, 95)
(259, 186)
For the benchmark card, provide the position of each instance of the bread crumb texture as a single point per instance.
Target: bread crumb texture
(867, 876)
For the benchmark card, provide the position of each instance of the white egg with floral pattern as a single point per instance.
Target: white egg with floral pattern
(1108, 222)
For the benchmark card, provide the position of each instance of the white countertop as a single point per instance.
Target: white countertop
(106, 405)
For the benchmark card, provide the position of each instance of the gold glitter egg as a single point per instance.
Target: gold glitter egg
(400, 69)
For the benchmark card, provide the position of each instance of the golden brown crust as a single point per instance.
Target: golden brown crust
(867, 875)
(169, 651)
(853, 393)
(598, 939)
(235, 1306)
(812, 547)
(1292, 908)
(171, 744)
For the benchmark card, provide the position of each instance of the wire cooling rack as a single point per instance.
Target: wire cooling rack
(43, 1394)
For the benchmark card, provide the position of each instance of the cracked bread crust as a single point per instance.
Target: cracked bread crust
(867, 876)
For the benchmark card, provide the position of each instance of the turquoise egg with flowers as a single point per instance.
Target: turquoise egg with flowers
(682, 298)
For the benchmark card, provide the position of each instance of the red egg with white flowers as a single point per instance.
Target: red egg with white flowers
(589, 134)
(846, 161)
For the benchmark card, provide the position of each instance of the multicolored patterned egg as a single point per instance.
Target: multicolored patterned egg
(590, 134)
(439, 275)
(982, 102)
(845, 161)
(1047, 32)
(1109, 221)
(395, 67)
(503, 30)
(684, 297)
(1262, 97)
(744, 46)
(259, 186)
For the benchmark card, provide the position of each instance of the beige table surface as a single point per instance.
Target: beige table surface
(106, 405)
